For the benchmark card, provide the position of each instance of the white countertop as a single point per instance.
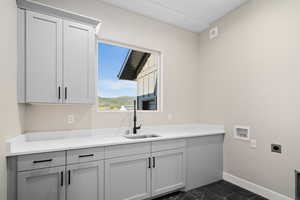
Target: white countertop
(41, 142)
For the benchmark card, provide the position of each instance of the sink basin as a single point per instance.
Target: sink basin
(141, 136)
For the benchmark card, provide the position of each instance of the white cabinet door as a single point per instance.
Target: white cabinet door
(168, 171)
(85, 181)
(78, 63)
(42, 184)
(204, 160)
(43, 58)
(127, 178)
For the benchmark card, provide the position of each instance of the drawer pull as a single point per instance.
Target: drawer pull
(153, 162)
(88, 155)
(41, 161)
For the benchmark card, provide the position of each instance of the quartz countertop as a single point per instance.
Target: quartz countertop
(41, 142)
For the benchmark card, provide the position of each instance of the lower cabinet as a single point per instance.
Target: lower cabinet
(73, 182)
(143, 176)
(121, 172)
(168, 171)
(204, 160)
(128, 178)
(85, 181)
(42, 184)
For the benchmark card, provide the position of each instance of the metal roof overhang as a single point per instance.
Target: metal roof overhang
(133, 65)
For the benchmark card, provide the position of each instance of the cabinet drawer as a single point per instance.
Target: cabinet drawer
(168, 144)
(85, 155)
(41, 160)
(127, 149)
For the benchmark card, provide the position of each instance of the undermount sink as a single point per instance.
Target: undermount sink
(141, 136)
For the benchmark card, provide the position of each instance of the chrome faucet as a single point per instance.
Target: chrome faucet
(135, 128)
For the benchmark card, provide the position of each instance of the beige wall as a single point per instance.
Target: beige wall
(9, 112)
(178, 47)
(250, 75)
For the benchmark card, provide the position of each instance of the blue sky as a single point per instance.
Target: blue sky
(110, 60)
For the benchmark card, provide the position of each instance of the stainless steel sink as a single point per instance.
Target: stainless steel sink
(134, 137)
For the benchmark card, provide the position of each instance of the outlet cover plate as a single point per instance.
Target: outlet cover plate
(71, 119)
(253, 143)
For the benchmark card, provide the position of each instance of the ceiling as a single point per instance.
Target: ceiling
(193, 15)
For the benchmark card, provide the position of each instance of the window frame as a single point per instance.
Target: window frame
(159, 76)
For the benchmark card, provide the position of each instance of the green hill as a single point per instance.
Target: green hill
(115, 103)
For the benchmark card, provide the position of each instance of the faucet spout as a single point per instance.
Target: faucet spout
(135, 127)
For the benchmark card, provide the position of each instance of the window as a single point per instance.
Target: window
(127, 74)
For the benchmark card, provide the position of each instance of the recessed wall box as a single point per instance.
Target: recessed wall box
(242, 132)
(276, 148)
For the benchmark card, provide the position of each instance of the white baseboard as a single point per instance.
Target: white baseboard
(260, 190)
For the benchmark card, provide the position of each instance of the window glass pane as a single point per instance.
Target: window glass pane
(126, 75)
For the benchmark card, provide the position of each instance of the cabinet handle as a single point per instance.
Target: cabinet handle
(69, 177)
(149, 162)
(88, 155)
(66, 92)
(153, 162)
(59, 92)
(41, 161)
(61, 178)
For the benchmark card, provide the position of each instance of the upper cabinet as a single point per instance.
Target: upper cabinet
(21, 56)
(56, 60)
(78, 62)
(43, 58)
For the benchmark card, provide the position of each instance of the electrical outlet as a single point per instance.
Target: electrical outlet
(170, 117)
(253, 143)
(71, 119)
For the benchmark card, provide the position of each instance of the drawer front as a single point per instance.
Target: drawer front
(127, 149)
(41, 160)
(85, 155)
(168, 145)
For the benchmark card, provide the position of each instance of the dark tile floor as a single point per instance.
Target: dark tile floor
(220, 190)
